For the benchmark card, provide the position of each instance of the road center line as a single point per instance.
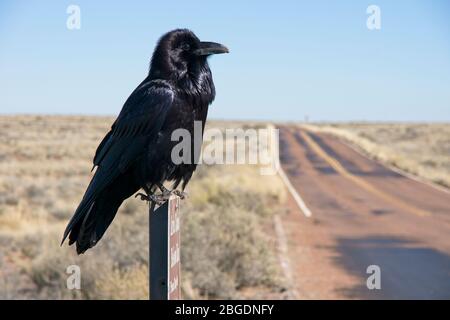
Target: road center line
(360, 182)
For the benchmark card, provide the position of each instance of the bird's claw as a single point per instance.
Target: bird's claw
(159, 199)
(143, 196)
(180, 194)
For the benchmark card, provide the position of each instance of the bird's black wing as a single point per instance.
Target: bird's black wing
(142, 113)
(135, 128)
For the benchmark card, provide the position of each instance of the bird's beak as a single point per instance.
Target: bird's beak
(207, 48)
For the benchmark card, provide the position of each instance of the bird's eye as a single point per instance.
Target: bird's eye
(185, 47)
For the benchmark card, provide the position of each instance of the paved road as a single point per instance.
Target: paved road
(362, 214)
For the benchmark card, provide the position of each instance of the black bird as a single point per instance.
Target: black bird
(136, 152)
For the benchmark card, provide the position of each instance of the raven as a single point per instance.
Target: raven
(136, 152)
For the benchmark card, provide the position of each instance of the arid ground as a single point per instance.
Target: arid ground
(45, 164)
(243, 234)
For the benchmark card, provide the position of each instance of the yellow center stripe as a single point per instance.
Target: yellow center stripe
(360, 182)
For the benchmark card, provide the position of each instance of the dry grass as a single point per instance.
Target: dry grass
(44, 170)
(420, 149)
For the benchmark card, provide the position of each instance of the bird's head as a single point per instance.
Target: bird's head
(179, 53)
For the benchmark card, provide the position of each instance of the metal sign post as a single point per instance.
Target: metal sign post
(164, 249)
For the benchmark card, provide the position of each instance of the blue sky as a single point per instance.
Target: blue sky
(288, 59)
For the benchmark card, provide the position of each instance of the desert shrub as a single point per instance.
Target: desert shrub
(239, 186)
(61, 212)
(224, 247)
(133, 206)
(35, 192)
(130, 283)
(225, 250)
(115, 263)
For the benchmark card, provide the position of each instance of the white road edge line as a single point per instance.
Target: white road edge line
(283, 256)
(276, 151)
(298, 199)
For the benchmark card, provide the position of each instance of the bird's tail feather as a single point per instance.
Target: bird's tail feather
(95, 223)
(98, 208)
(74, 224)
(92, 223)
(91, 226)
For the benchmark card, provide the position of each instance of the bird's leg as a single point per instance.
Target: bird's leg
(159, 199)
(168, 192)
(165, 192)
(143, 196)
(146, 196)
(179, 193)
